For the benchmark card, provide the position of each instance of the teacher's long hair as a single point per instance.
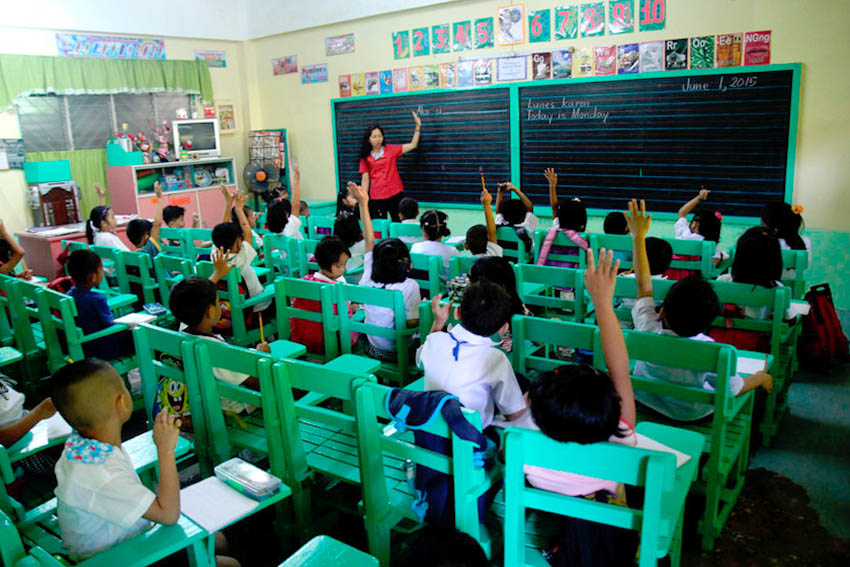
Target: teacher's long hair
(366, 146)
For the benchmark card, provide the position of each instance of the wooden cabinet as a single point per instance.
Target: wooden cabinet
(195, 183)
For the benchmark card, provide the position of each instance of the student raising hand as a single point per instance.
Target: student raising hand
(362, 197)
(600, 280)
(441, 313)
(637, 219)
(221, 265)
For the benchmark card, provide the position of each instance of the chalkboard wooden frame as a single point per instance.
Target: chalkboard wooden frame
(514, 104)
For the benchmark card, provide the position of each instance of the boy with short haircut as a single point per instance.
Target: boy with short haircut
(280, 218)
(174, 217)
(481, 240)
(145, 235)
(234, 241)
(517, 214)
(93, 312)
(194, 302)
(688, 310)
(408, 211)
(465, 362)
(101, 500)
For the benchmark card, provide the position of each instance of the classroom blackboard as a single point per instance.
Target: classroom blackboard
(661, 139)
(461, 130)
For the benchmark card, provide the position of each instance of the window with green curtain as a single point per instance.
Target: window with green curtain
(23, 75)
(87, 168)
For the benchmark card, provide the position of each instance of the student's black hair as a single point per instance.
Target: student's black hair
(615, 223)
(408, 208)
(390, 261)
(660, 255)
(572, 215)
(234, 218)
(95, 219)
(224, 235)
(5, 251)
(485, 308)
(137, 229)
(513, 211)
(477, 238)
(781, 218)
(340, 206)
(690, 306)
(444, 547)
(328, 251)
(575, 403)
(172, 212)
(347, 227)
(82, 264)
(278, 215)
(758, 258)
(433, 224)
(190, 298)
(498, 270)
(71, 374)
(366, 146)
(710, 222)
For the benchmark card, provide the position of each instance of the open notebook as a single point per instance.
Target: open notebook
(645, 442)
(213, 505)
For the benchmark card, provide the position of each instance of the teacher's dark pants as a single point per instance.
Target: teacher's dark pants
(379, 208)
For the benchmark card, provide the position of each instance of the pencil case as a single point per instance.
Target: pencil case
(247, 479)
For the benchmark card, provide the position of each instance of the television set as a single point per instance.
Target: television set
(201, 134)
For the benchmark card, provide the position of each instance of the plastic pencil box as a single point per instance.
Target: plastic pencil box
(247, 479)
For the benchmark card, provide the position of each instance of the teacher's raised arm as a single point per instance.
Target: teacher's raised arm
(379, 173)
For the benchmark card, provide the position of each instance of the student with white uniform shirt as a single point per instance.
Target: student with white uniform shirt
(434, 228)
(481, 240)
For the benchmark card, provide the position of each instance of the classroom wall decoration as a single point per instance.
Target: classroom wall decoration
(511, 25)
(730, 49)
(416, 78)
(213, 58)
(757, 48)
(562, 64)
(421, 45)
(285, 65)
(87, 45)
(483, 72)
(12, 153)
(401, 44)
(628, 59)
(385, 80)
(465, 74)
(621, 17)
(314, 74)
(605, 59)
(340, 44)
(541, 66)
(652, 15)
(441, 39)
(372, 87)
(702, 52)
(358, 84)
(461, 36)
(483, 36)
(651, 56)
(675, 54)
(566, 22)
(400, 80)
(511, 69)
(344, 85)
(538, 26)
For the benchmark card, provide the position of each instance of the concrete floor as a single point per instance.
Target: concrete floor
(812, 446)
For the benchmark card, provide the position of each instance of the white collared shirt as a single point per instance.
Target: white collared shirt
(384, 316)
(434, 248)
(529, 223)
(481, 376)
(242, 260)
(378, 155)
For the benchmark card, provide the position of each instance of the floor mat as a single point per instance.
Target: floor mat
(772, 524)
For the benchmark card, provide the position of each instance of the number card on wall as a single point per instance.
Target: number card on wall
(420, 42)
(401, 44)
(538, 26)
(653, 15)
(462, 34)
(592, 19)
(566, 22)
(621, 17)
(441, 39)
(483, 36)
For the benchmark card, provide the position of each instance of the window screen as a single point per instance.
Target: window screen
(42, 120)
(134, 110)
(91, 121)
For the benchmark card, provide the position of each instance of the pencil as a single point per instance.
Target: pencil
(262, 335)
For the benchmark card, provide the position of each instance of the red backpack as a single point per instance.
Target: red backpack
(822, 342)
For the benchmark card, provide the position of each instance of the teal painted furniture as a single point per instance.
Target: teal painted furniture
(281, 257)
(546, 287)
(169, 270)
(324, 550)
(425, 270)
(512, 247)
(324, 296)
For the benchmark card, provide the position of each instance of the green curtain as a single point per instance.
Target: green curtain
(87, 168)
(23, 75)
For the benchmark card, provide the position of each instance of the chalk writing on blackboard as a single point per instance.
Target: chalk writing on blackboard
(722, 85)
(566, 109)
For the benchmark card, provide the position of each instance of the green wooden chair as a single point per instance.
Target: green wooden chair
(324, 550)
(165, 354)
(545, 286)
(319, 227)
(512, 247)
(387, 495)
(425, 270)
(665, 487)
(319, 429)
(288, 289)
(621, 244)
(18, 299)
(381, 227)
(140, 277)
(460, 265)
(407, 230)
(280, 254)
(694, 255)
(169, 270)
(171, 241)
(192, 238)
(560, 246)
(540, 343)
(64, 339)
(243, 335)
(403, 369)
(727, 434)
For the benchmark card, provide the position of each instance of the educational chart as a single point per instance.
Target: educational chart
(461, 131)
(661, 139)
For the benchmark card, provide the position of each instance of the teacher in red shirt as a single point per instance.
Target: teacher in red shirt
(380, 178)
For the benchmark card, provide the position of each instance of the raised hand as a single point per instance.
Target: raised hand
(166, 431)
(157, 189)
(417, 119)
(551, 176)
(221, 267)
(227, 195)
(98, 188)
(601, 279)
(240, 199)
(703, 194)
(357, 191)
(486, 198)
(637, 219)
(441, 312)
